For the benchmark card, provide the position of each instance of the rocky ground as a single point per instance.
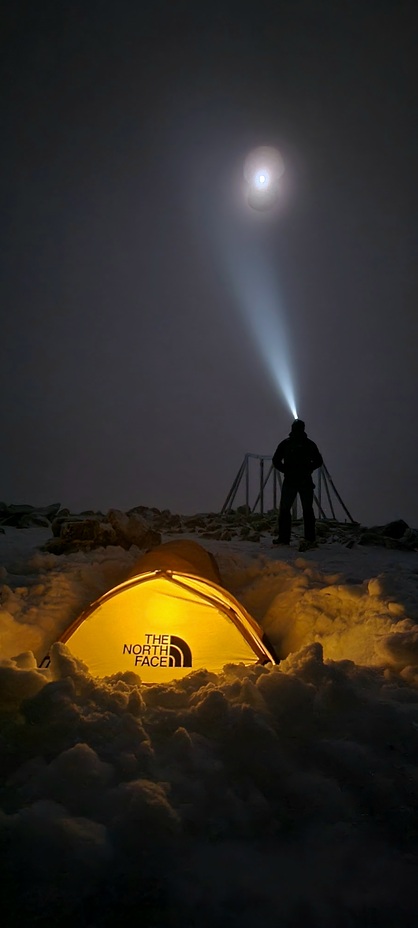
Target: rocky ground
(144, 526)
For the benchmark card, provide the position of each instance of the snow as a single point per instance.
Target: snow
(283, 795)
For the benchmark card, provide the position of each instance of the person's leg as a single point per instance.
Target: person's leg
(306, 498)
(285, 512)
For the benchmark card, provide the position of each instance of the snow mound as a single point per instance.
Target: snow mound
(217, 799)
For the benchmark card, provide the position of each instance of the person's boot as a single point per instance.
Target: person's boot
(306, 545)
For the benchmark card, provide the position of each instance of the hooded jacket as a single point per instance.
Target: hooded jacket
(297, 456)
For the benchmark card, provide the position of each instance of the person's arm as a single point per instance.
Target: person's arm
(316, 457)
(278, 456)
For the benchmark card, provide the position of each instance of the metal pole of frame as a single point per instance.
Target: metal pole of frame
(247, 482)
(319, 492)
(234, 489)
(280, 481)
(262, 486)
(321, 513)
(264, 482)
(326, 471)
(329, 497)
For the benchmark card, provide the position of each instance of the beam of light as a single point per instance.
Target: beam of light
(256, 293)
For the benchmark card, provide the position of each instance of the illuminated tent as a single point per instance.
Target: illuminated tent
(169, 618)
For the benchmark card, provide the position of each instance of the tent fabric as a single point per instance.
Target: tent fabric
(166, 621)
(182, 555)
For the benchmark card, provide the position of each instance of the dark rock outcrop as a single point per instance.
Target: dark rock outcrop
(78, 533)
(25, 516)
(396, 534)
(143, 526)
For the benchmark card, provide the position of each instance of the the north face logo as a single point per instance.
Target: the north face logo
(160, 651)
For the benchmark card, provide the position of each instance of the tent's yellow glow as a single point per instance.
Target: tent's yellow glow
(163, 624)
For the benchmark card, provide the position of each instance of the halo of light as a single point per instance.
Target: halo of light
(263, 168)
(261, 180)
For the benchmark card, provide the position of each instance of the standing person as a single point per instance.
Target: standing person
(296, 457)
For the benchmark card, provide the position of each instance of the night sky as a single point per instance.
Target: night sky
(129, 374)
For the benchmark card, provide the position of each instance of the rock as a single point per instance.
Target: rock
(261, 525)
(24, 516)
(216, 535)
(410, 538)
(371, 538)
(145, 511)
(34, 519)
(119, 520)
(89, 530)
(58, 522)
(58, 546)
(191, 523)
(395, 529)
(384, 541)
(132, 529)
(322, 529)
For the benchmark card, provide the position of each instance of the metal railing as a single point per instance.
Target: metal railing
(263, 483)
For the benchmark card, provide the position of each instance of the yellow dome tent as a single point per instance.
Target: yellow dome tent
(171, 617)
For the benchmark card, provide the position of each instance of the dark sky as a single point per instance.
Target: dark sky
(128, 373)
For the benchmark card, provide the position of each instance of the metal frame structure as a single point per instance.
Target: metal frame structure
(269, 480)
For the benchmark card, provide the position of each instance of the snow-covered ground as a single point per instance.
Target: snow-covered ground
(284, 795)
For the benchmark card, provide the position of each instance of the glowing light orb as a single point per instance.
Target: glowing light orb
(263, 169)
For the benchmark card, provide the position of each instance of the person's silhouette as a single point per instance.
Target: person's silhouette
(296, 457)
